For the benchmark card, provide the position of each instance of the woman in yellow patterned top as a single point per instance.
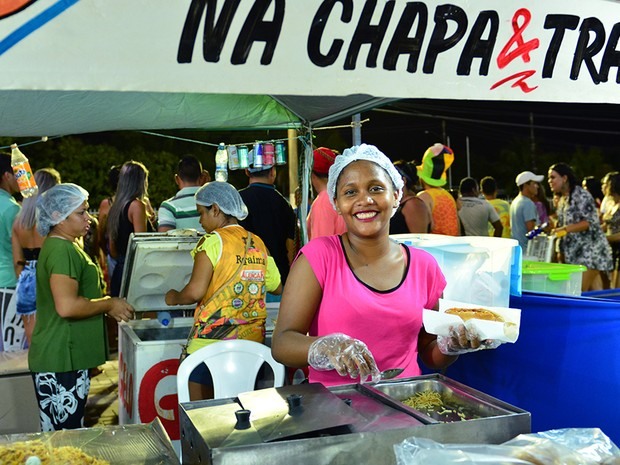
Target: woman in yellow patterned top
(230, 279)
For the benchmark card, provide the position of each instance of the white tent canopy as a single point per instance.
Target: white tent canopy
(76, 66)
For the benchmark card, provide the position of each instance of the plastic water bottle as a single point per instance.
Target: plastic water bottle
(536, 231)
(221, 163)
(23, 172)
(164, 318)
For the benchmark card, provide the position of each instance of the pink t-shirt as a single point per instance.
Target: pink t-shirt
(387, 321)
(323, 220)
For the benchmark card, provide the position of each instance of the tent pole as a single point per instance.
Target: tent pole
(357, 129)
(293, 164)
(306, 168)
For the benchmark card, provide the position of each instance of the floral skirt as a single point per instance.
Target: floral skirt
(62, 399)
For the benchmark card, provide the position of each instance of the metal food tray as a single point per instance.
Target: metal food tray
(377, 415)
(461, 403)
(143, 444)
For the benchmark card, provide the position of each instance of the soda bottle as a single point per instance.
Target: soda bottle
(221, 163)
(536, 231)
(23, 172)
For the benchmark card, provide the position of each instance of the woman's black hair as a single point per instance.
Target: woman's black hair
(113, 175)
(409, 172)
(564, 169)
(613, 178)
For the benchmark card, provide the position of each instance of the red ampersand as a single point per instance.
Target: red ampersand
(522, 48)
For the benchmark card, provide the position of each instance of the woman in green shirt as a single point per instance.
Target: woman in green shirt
(68, 337)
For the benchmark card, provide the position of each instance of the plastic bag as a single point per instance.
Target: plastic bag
(570, 446)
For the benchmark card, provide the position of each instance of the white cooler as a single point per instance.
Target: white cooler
(478, 270)
(149, 351)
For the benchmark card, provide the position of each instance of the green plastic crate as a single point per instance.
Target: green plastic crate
(552, 278)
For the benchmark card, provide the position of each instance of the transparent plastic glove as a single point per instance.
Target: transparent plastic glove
(463, 340)
(348, 356)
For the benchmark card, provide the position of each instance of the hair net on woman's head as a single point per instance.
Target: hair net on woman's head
(368, 153)
(226, 197)
(57, 203)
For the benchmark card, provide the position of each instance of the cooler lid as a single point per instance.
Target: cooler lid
(156, 263)
(554, 271)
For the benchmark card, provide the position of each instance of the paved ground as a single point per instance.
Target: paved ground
(102, 405)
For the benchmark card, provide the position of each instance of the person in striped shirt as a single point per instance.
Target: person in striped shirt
(179, 212)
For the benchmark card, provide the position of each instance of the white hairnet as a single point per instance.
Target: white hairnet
(225, 196)
(57, 203)
(368, 153)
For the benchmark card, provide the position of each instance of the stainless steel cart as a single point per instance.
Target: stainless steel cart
(355, 423)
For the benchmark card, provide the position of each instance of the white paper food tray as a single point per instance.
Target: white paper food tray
(440, 323)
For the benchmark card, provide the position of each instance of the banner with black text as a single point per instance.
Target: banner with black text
(552, 50)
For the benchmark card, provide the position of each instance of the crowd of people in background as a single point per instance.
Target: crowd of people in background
(84, 256)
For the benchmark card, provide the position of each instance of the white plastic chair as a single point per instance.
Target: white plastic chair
(234, 367)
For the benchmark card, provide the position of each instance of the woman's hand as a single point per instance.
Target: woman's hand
(559, 232)
(120, 309)
(346, 355)
(462, 340)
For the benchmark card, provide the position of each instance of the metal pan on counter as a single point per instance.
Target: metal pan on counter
(438, 399)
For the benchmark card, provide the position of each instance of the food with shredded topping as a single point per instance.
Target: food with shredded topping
(439, 406)
(19, 453)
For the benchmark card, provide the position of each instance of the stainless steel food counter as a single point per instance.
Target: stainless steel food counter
(143, 444)
(341, 425)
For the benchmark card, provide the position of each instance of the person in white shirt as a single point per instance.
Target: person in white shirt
(523, 213)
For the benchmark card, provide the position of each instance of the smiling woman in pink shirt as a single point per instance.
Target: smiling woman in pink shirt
(353, 303)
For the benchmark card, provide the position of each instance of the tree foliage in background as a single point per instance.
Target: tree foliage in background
(88, 165)
(516, 157)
